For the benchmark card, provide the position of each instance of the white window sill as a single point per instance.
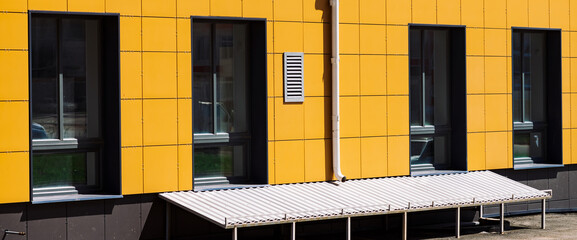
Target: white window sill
(73, 198)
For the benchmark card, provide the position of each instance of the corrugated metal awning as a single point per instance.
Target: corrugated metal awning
(328, 200)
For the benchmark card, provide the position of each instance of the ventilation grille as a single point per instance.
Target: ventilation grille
(293, 77)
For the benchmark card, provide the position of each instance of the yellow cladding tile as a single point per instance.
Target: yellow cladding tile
(14, 25)
(317, 11)
(565, 44)
(131, 122)
(374, 157)
(538, 13)
(398, 12)
(185, 121)
(573, 113)
(574, 146)
(132, 171)
(257, 8)
(496, 112)
(496, 75)
(317, 38)
(159, 75)
(424, 11)
(47, 5)
(559, 14)
(566, 110)
(125, 7)
(229, 8)
(496, 42)
(449, 12)
(510, 149)
(567, 146)
(374, 116)
(270, 37)
(289, 162)
(372, 11)
(476, 151)
(398, 40)
(160, 169)
(318, 160)
(472, 13)
(509, 75)
(14, 5)
(289, 120)
(14, 126)
(317, 117)
(271, 163)
(160, 121)
(14, 68)
(349, 11)
(184, 75)
(271, 122)
(183, 35)
(349, 75)
(509, 112)
(318, 75)
(496, 152)
(475, 41)
(572, 17)
(187, 8)
(288, 10)
(349, 40)
(351, 157)
(131, 74)
(475, 113)
(373, 78)
(398, 75)
(288, 37)
(373, 39)
(573, 82)
(270, 75)
(159, 8)
(86, 5)
(398, 115)
(131, 37)
(517, 14)
(508, 39)
(398, 162)
(184, 167)
(573, 43)
(495, 13)
(158, 34)
(475, 75)
(15, 177)
(278, 75)
(350, 116)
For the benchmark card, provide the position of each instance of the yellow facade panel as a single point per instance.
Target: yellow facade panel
(289, 161)
(131, 37)
(496, 112)
(372, 11)
(509, 75)
(567, 146)
(14, 68)
(47, 5)
(424, 11)
(472, 13)
(317, 38)
(496, 152)
(14, 126)
(14, 6)
(316, 11)
(510, 112)
(158, 34)
(510, 149)
(187, 8)
(349, 11)
(566, 110)
(185, 121)
(184, 75)
(559, 14)
(398, 162)
(317, 75)
(565, 44)
(288, 37)
(449, 12)
(349, 39)
(271, 123)
(538, 13)
(160, 169)
(317, 117)
(351, 157)
(183, 34)
(496, 42)
(496, 75)
(373, 39)
(125, 7)
(270, 75)
(397, 39)
(318, 160)
(573, 43)
(397, 75)
(156, 8)
(257, 9)
(271, 163)
(289, 120)
(566, 75)
(159, 122)
(159, 75)
(398, 12)
(475, 75)
(278, 75)
(131, 122)
(131, 74)
(517, 13)
(495, 13)
(475, 41)
(185, 167)
(374, 157)
(132, 171)
(373, 116)
(269, 37)
(14, 177)
(349, 75)
(398, 115)
(475, 113)
(15, 30)
(373, 80)
(350, 116)
(573, 74)
(573, 17)
(573, 113)
(86, 5)
(476, 151)
(574, 146)
(286, 10)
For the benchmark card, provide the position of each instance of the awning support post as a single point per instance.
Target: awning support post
(502, 211)
(458, 223)
(234, 233)
(543, 213)
(481, 211)
(405, 226)
(167, 230)
(348, 228)
(294, 230)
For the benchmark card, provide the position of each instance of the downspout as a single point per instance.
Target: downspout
(335, 93)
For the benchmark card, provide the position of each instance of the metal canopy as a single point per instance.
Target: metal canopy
(235, 208)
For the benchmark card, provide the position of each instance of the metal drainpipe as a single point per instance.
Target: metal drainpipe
(335, 93)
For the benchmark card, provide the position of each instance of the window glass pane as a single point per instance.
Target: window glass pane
(203, 78)
(527, 77)
(64, 169)
(428, 73)
(416, 77)
(422, 150)
(224, 161)
(521, 145)
(45, 104)
(538, 86)
(517, 78)
(440, 78)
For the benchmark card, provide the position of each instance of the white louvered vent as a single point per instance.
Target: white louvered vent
(293, 77)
